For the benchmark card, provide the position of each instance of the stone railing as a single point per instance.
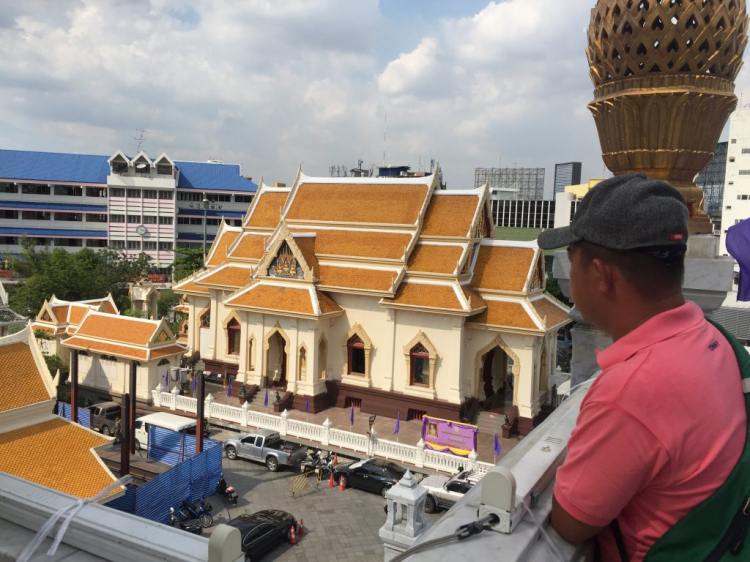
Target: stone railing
(416, 455)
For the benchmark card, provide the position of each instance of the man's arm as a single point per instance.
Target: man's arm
(570, 528)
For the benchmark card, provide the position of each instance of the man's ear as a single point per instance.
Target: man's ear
(605, 274)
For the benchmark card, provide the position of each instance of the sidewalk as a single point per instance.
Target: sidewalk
(409, 432)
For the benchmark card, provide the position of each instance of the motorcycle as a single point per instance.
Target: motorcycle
(226, 491)
(191, 527)
(315, 461)
(198, 511)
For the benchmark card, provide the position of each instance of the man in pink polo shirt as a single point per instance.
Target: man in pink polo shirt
(664, 424)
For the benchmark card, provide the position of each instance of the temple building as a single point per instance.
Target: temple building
(389, 295)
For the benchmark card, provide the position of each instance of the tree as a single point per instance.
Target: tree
(553, 288)
(75, 276)
(188, 263)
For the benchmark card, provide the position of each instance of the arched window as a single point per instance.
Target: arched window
(233, 337)
(356, 355)
(206, 319)
(322, 357)
(302, 373)
(419, 366)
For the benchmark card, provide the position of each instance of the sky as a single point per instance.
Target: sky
(275, 84)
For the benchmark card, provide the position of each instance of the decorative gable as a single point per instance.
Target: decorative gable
(284, 258)
(537, 276)
(285, 264)
(162, 337)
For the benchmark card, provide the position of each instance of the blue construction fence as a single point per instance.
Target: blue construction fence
(191, 478)
(84, 414)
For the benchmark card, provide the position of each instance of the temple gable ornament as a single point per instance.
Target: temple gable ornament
(285, 264)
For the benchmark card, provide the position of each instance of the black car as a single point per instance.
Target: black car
(262, 531)
(372, 475)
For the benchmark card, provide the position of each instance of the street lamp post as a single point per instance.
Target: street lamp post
(206, 202)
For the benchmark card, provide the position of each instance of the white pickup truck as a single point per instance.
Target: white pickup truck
(266, 446)
(443, 492)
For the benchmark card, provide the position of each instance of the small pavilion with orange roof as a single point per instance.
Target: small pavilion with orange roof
(389, 294)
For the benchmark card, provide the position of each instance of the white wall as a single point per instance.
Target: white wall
(736, 183)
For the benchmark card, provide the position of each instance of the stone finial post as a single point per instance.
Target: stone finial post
(284, 422)
(209, 401)
(473, 460)
(175, 394)
(406, 519)
(419, 459)
(156, 394)
(327, 432)
(245, 413)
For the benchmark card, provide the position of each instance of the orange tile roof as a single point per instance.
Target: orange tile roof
(358, 243)
(220, 246)
(327, 304)
(306, 245)
(227, 277)
(250, 247)
(118, 328)
(138, 353)
(362, 203)
(505, 314)
(554, 314)
(20, 381)
(167, 351)
(267, 212)
(182, 308)
(353, 278)
(420, 294)
(502, 268)
(77, 312)
(435, 259)
(107, 307)
(76, 470)
(450, 215)
(473, 298)
(61, 313)
(48, 329)
(190, 287)
(272, 297)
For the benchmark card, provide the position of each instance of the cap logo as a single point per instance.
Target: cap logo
(676, 236)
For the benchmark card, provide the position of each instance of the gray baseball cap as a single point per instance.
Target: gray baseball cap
(626, 212)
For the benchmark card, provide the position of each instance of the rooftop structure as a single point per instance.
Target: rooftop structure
(512, 183)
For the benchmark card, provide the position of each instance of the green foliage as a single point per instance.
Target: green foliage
(134, 313)
(188, 262)
(54, 363)
(73, 276)
(553, 288)
(167, 299)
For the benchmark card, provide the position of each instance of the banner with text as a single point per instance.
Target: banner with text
(449, 436)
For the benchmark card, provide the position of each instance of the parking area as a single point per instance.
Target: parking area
(338, 525)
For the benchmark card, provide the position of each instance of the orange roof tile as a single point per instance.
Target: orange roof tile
(138, 353)
(435, 259)
(220, 246)
(107, 307)
(420, 294)
(77, 470)
(358, 243)
(167, 351)
(502, 268)
(549, 310)
(327, 304)
(473, 298)
(227, 277)
(450, 215)
(505, 314)
(267, 212)
(272, 297)
(306, 245)
(190, 287)
(20, 380)
(61, 313)
(250, 247)
(363, 203)
(118, 328)
(77, 312)
(353, 278)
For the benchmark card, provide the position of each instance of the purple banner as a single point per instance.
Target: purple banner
(449, 436)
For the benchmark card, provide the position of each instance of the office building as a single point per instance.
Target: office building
(566, 174)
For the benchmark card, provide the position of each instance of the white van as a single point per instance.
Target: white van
(164, 420)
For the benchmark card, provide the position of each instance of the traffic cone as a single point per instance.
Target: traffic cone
(293, 537)
(341, 484)
(301, 528)
(331, 483)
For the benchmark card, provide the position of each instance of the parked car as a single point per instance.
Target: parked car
(262, 531)
(371, 475)
(266, 446)
(103, 416)
(443, 492)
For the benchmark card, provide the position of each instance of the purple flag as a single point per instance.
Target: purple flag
(307, 405)
(497, 446)
(265, 400)
(195, 380)
(351, 416)
(166, 377)
(738, 245)
(398, 423)
(229, 388)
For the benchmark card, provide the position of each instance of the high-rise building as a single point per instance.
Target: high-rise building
(711, 179)
(567, 174)
(736, 201)
(522, 184)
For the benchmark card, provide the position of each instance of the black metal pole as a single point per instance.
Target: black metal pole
(74, 386)
(125, 431)
(199, 413)
(130, 427)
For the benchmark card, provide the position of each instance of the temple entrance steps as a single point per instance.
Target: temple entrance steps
(490, 422)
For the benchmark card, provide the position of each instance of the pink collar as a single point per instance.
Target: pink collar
(656, 329)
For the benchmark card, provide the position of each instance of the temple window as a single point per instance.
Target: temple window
(233, 337)
(322, 357)
(356, 355)
(419, 366)
(206, 319)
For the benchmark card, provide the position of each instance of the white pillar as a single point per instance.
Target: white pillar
(327, 432)
(245, 413)
(175, 394)
(284, 421)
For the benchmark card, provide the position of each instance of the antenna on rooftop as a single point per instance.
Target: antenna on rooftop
(139, 139)
(385, 129)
